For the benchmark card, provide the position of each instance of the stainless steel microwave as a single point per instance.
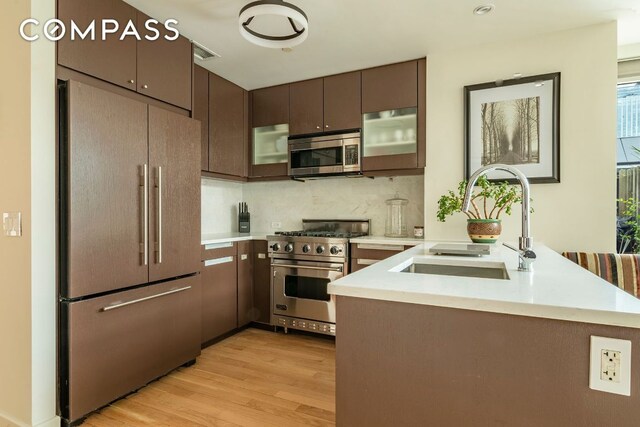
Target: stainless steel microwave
(325, 155)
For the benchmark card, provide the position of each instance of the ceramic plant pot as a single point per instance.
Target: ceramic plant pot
(484, 230)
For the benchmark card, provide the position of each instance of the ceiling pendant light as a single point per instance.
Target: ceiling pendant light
(296, 17)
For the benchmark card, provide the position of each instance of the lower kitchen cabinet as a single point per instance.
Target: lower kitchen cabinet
(366, 254)
(261, 283)
(245, 282)
(120, 342)
(219, 291)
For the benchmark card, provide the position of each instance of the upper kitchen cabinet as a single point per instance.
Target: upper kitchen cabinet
(201, 111)
(164, 67)
(306, 107)
(228, 104)
(394, 115)
(160, 69)
(270, 131)
(111, 60)
(342, 101)
(325, 105)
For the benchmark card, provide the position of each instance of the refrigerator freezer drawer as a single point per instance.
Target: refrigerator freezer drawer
(120, 342)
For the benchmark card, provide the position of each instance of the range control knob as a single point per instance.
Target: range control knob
(306, 249)
(275, 247)
(320, 249)
(335, 250)
(288, 247)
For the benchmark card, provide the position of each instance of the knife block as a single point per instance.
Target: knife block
(244, 222)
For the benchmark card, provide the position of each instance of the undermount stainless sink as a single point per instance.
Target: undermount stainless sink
(481, 270)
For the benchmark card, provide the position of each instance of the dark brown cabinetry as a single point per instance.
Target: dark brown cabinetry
(245, 282)
(201, 111)
(116, 151)
(261, 282)
(112, 60)
(164, 67)
(269, 111)
(160, 69)
(398, 93)
(364, 255)
(228, 134)
(342, 99)
(219, 291)
(119, 342)
(306, 107)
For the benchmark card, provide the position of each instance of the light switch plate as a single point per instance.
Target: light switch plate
(610, 365)
(12, 224)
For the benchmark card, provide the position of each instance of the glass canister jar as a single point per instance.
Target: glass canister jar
(396, 223)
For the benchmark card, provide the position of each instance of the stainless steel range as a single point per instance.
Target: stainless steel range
(303, 263)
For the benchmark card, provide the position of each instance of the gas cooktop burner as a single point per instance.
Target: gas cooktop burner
(327, 234)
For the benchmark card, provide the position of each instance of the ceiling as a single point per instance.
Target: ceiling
(352, 34)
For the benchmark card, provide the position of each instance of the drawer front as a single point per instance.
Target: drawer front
(360, 263)
(218, 250)
(120, 342)
(374, 251)
(219, 297)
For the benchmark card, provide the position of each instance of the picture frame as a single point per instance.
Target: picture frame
(515, 122)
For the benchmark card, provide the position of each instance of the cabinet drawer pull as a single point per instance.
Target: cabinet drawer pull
(145, 86)
(218, 246)
(364, 261)
(210, 262)
(381, 247)
(131, 81)
(135, 301)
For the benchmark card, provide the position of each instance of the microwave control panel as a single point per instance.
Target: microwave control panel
(351, 155)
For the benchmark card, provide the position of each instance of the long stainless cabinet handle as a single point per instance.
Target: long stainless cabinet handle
(145, 213)
(159, 215)
(136, 301)
(306, 267)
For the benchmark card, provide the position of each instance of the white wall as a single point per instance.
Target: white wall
(578, 213)
(289, 202)
(220, 205)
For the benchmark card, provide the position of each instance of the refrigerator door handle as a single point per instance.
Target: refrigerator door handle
(136, 301)
(145, 214)
(159, 222)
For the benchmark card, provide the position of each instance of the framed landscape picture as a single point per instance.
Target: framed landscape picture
(514, 122)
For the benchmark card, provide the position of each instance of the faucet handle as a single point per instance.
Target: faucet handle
(525, 257)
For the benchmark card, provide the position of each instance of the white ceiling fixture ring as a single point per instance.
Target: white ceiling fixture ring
(296, 17)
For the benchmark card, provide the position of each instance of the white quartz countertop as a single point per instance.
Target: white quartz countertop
(382, 240)
(212, 239)
(556, 289)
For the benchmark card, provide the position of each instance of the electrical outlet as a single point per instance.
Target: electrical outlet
(276, 225)
(12, 224)
(610, 367)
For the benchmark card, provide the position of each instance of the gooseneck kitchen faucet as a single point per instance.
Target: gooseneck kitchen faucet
(526, 255)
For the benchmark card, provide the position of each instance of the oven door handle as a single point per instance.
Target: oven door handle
(307, 267)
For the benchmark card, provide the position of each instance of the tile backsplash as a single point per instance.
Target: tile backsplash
(288, 202)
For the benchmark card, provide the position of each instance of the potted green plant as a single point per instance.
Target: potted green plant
(488, 202)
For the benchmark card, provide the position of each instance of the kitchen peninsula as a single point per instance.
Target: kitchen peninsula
(494, 351)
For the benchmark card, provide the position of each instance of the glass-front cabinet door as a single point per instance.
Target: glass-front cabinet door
(390, 132)
(270, 144)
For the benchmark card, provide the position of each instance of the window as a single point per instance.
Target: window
(628, 159)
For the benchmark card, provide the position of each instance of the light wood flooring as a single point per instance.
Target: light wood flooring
(254, 378)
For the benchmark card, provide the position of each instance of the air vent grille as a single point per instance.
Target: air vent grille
(202, 53)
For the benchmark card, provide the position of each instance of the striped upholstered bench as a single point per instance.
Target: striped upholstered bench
(622, 270)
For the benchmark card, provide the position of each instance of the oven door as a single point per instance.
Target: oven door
(300, 289)
(308, 157)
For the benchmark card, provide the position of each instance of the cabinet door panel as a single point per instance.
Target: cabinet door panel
(306, 107)
(164, 67)
(245, 282)
(226, 127)
(106, 150)
(111, 60)
(115, 351)
(174, 211)
(390, 87)
(201, 111)
(342, 102)
(219, 297)
(270, 106)
(261, 282)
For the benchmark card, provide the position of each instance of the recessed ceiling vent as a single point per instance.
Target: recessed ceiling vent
(202, 53)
